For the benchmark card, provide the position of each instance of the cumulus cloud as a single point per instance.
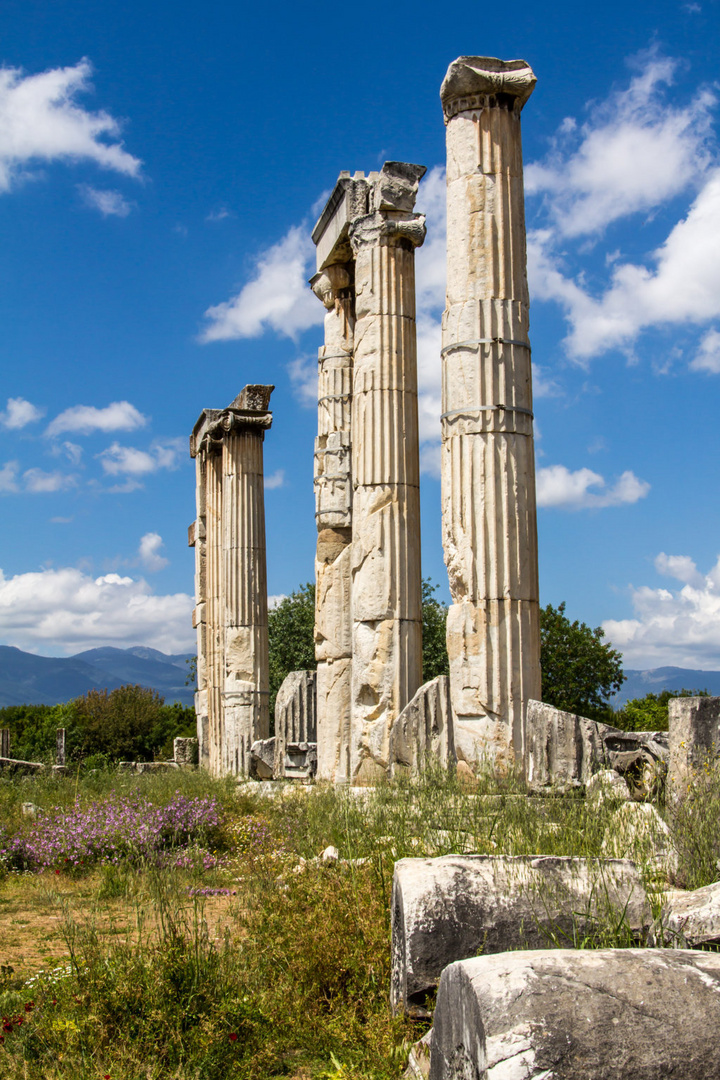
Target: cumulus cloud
(19, 413)
(708, 354)
(8, 477)
(635, 151)
(39, 482)
(120, 460)
(149, 552)
(672, 627)
(85, 419)
(682, 287)
(41, 120)
(68, 610)
(560, 488)
(275, 480)
(109, 203)
(303, 372)
(276, 298)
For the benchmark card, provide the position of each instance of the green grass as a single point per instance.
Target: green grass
(290, 976)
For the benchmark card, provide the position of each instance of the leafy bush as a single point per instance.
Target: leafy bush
(650, 713)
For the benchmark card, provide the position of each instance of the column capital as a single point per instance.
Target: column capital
(249, 412)
(327, 284)
(381, 230)
(476, 82)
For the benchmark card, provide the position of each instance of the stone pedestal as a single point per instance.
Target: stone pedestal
(231, 581)
(488, 467)
(368, 615)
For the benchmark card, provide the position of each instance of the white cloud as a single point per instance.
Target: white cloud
(120, 460)
(19, 413)
(277, 298)
(560, 488)
(68, 610)
(38, 482)
(40, 120)
(680, 567)
(303, 372)
(275, 601)
(72, 452)
(708, 355)
(109, 203)
(149, 552)
(8, 477)
(679, 628)
(218, 215)
(684, 286)
(635, 152)
(275, 480)
(84, 419)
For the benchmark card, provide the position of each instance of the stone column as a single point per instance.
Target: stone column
(488, 466)
(333, 516)
(386, 581)
(233, 606)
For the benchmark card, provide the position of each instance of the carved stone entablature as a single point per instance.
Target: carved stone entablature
(481, 82)
(248, 411)
(379, 229)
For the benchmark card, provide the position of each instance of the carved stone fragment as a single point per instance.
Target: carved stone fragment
(456, 906)
(423, 735)
(606, 1014)
(295, 717)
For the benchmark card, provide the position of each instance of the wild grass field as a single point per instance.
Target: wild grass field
(178, 928)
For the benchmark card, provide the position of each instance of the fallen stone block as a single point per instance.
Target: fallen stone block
(607, 1014)
(606, 786)
(422, 734)
(637, 831)
(15, 765)
(564, 750)
(262, 759)
(458, 906)
(690, 920)
(185, 751)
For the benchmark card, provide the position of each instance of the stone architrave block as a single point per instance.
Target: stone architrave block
(456, 906)
(185, 751)
(606, 1014)
(423, 734)
(295, 715)
(563, 749)
(690, 920)
(694, 728)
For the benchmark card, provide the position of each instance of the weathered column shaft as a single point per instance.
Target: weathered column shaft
(333, 498)
(488, 467)
(245, 687)
(386, 581)
(231, 581)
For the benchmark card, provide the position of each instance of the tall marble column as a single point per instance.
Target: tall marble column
(333, 516)
(488, 465)
(386, 579)
(231, 612)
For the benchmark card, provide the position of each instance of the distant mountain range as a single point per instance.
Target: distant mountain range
(639, 683)
(26, 679)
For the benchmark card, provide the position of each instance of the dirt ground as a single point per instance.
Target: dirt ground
(34, 910)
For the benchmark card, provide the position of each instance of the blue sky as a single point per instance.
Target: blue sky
(161, 166)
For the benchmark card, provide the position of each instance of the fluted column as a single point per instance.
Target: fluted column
(488, 466)
(229, 445)
(333, 516)
(386, 581)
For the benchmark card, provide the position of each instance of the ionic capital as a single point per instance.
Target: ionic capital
(477, 82)
(248, 412)
(328, 284)
(380, 230)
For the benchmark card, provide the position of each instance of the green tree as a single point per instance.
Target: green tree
(291, 634)
(579, 670)
(434, 626)
(650, 713)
